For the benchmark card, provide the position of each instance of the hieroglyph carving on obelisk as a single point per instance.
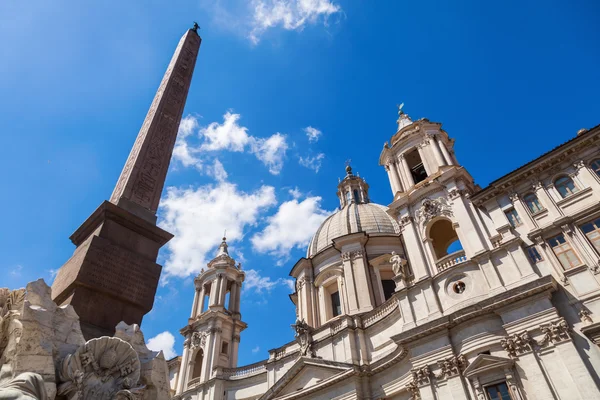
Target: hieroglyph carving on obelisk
(141, 182)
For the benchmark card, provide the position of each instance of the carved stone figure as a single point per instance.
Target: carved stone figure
(198, 339)
(102, 369)
(398, 265)
(303, 336)
(24, 386)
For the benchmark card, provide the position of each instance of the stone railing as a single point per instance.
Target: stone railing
(451, 260)
(246, 370)
(380, 312)
(193, 382)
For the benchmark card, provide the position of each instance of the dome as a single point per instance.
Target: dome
(353, 218)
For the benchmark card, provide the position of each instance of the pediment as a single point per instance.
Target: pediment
(307, 373)
(485, 363)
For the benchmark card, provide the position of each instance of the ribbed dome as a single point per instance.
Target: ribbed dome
(352, 218)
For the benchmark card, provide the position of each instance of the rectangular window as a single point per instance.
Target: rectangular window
(389, 287)
(592, 231)
(224, 347)
(336, 306)
(513, 217)
(499, 391)
(534, 254)
(564, 252)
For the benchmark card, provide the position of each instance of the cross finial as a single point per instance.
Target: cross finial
(224, 234)
(196, 27)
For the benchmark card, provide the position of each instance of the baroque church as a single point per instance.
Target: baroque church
(451, 291)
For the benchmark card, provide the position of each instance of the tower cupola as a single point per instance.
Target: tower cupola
(352, 189)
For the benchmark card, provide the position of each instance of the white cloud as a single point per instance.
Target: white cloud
(313, 163)
(256, 350)
(182, 151)
(218, 171)
(289, 14)
(254, 281)
(231, 136)
(198, 216)
(295, 193)
(291, 227)
(164, 341)
(313, 134)
(271, 151)
(226, 136)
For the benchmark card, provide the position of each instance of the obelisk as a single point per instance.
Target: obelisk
(113, 275)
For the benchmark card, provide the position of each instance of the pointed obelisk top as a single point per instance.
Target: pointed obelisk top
(140, 185)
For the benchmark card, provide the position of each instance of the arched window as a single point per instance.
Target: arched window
(198, 364)
(415, 164)
(533, 203)
(565, 186)
(596, 166)
(444, 238)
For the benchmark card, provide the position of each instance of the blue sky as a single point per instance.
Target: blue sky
(282, 95)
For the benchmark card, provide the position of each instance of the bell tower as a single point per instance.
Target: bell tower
(212, 335)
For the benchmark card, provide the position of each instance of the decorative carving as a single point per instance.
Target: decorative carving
(579, 164)
(433, 208)
(478, 389)
(413, 388)
(456, 193)
(104, 368)
(398, 265)
(555, 332)
(514, 197)
(517, 344)
(585, 316)
(421, 375)
(406, 220)
(352, 255)
(198, 339)
(236, 338)
(452, 366)
(303, 336)
(10, 302)
(512, 383)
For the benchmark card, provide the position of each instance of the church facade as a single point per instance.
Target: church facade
(452, 291)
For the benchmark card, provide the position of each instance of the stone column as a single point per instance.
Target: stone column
(424, 160)
(214, 291)
(396, 176)
(410, 182)
(436, 151)
(195, 304)
(183, 368)
(201, 302)
(223, 291)
(393, 183)
(235, 345)
(415, 256)
(322, 305)
(233, 297)
(353, 304)
(471, 234)
(445, 152)
(362, 280)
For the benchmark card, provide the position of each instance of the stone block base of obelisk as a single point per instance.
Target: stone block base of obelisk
(112, 275)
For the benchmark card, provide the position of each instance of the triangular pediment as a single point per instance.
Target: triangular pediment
(305, 374)
(485, 362)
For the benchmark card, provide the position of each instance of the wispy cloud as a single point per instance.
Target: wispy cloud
(312, 162)
(229, 136)
(255, 350)
(313, 134)
(289, 15)
(257, 283)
